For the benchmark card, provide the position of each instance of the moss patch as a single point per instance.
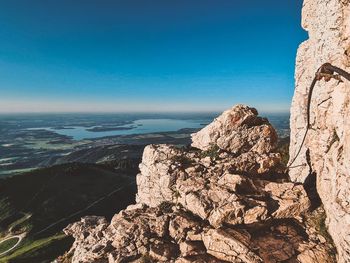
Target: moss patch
(317, 219)
(213, 152)
(283, 149)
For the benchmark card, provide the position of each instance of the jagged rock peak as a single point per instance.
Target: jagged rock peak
(216, 204)
(169, 172)
(237, 130)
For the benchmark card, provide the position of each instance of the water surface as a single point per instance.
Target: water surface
(142, 126)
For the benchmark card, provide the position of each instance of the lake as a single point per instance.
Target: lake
(142, 126)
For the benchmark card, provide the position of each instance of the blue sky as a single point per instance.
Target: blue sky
(147, 55)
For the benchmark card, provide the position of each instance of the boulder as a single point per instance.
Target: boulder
(237, 130)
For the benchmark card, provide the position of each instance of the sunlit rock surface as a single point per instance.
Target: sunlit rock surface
(208, 204)
(328, 140)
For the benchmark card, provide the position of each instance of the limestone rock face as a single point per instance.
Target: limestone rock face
(237, 130)
(90, 245)
(156, 172)
(328, 25)
(217, 204)
(168, 233)
(211, 191)
(223, 245)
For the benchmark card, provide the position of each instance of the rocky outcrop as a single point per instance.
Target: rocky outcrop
(212, 189)
(222, 202)
(89, 233)
(326, 152)
(172, 234)
(237, 130)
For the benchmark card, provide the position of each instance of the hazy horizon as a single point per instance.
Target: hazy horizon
(12, 108)
(147, 56)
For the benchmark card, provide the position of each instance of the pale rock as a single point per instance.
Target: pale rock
(213, 193)
(224, 246)
(195, 204)
(180, 225)
(206, 161)
(90, 245)
(199, 259)
(310, 253)
(256, 214)
(237, 130)
(253, 163)
(156, 164)
(205, 206)
(291, 198)
(231, 181)
(192, 248)
(165, 169)
(328, 25)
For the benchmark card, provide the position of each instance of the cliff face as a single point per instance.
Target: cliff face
(328, 140)
(222, 200)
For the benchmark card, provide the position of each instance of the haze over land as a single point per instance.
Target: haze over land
(30, 141)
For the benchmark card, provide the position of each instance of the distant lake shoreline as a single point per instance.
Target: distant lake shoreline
(32, 141)
(141, 126)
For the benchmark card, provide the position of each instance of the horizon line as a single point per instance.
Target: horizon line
(132, 112)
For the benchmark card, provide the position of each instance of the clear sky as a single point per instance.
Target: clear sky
(147, 55)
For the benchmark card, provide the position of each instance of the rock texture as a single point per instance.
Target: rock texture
(224, 201)
(328, 25)
(238, 130)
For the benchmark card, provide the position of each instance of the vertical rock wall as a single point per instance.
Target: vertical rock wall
(328, 141)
